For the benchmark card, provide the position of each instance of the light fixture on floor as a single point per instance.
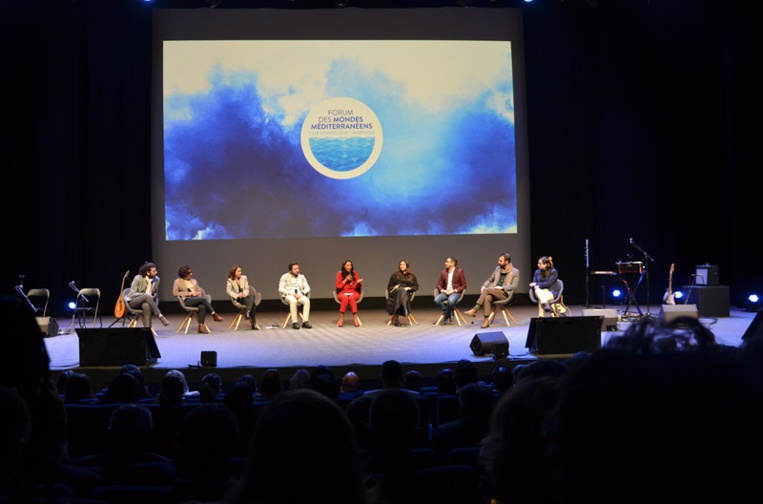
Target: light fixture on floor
(753, 303)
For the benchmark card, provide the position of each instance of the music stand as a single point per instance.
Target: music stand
(631, 268)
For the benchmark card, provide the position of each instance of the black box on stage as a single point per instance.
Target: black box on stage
(208, 358)
(706, 275)
(564, 335)
(116, 347)
(711, 301)
(609, 322)
(490, 343)
(48, 326)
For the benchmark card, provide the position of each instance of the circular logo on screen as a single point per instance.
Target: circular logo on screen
(341, 138)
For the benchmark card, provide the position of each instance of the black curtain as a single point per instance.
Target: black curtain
(642, 125)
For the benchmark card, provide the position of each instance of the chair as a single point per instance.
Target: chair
(336, 298)
(558, 308)
(192, 312)
(133, 314)
(411, 319)
(242, 310)
(502, 306)
(456, 311)
(39, 294)
(88, 301)
(288, 314)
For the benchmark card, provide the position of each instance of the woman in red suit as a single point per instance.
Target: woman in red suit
(348, 285)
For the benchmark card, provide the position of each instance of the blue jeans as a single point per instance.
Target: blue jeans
(446, 303)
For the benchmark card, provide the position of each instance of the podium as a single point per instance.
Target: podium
(711, 301)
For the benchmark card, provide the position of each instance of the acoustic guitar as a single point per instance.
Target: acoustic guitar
(668, 299)
(119, 309)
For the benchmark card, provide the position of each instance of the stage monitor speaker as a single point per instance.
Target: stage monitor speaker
(755, 329)
(490, 343)
(208, 358)
(116, 347)
(668, 313)
(48, 326)
(609, 317)
(561, 336)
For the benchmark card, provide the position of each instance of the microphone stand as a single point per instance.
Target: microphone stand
(587, 275)
(647, 258)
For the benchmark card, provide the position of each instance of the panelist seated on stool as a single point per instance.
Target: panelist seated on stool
(499, 286)
(295, 291)
(546, 287)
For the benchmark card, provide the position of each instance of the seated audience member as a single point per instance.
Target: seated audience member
(350, 383)
(135, 371)
(303, 450)
(502, 379)
(542, 367)
(475, 404)
(513, 452)
(640, 420)
(172, 388)
(466, 372)
(62, 381)
(271, 385)
(78, 389)
(124, 388)
(322, 380)
(413, 380)
(210, 387)
(300, 379)
(239, 401)
(391, 377)
(357, 412)
(127, 459)
(446, 384)
(204, 446)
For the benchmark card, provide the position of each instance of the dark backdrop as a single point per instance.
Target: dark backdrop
(642, 124)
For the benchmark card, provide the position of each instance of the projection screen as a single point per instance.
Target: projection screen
(316, 136)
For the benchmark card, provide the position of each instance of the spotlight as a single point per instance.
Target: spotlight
(678, 295)
(753, 303)
(72, 305)
(340, 4)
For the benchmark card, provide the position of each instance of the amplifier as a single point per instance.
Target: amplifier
(707, 275)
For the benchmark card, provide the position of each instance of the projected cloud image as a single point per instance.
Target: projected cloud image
(442, 161)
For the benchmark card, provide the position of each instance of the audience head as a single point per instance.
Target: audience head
(413, 380)
(124, 388)
(350, 382)
(393, 420)
(63, 380)
(503, 379)
(322, 380)
(271, 384)
(644, 415)
(391, 374)
(445, 381)
(210, 387)
(135, 371)
(303, 446)
(205, 443)
(250, 379)
(130, 428)
(78, 388)
(172, 388)
(300, 379)
(475, 400)
(466, 372)
(542, 367)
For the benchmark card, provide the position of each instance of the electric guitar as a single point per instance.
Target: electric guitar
(119, 309)
(668, 299)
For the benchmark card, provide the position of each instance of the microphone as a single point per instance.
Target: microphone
(75, 289)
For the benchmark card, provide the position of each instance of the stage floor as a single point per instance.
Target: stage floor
(423, 346)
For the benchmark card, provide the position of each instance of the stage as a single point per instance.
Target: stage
(423, 346)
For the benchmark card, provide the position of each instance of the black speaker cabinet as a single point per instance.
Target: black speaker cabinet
(490, 343)
(560, 336)
(48, 326)
(668, 313)
(710, 301)
(755, 329)
(609, 317)
(208, 358)
(116, 347)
